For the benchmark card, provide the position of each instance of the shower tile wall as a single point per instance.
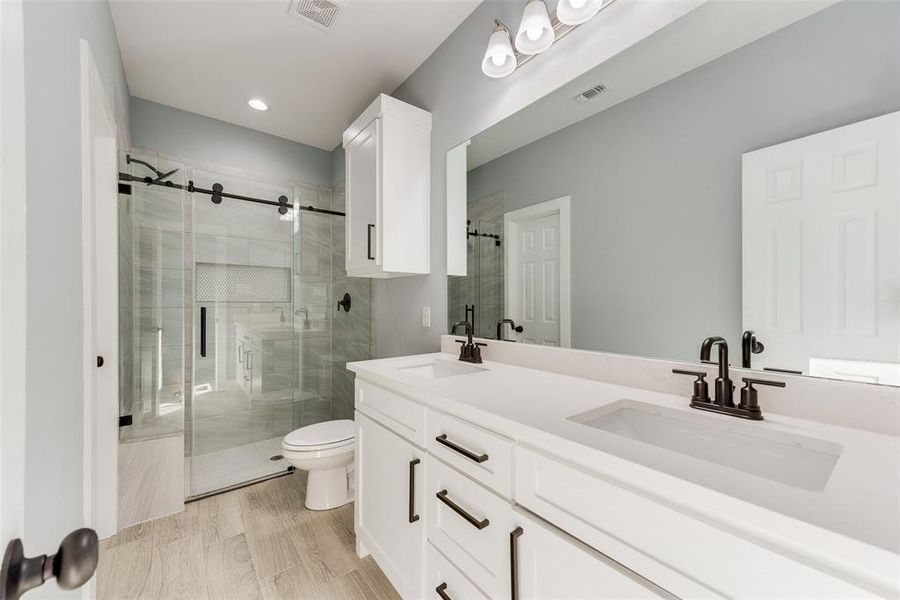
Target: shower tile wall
(484, 283)
(353, 332)
(314, 294)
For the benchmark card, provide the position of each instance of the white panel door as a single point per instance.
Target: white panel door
(821, 251)
(390, 520)
(537, 284)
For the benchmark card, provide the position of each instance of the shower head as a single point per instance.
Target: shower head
(160, 176)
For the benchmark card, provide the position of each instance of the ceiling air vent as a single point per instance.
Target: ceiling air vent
(319, 13)
(591, 93)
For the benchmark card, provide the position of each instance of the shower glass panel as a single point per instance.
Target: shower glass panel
(489, 284)
(151, 301)
(245, 338)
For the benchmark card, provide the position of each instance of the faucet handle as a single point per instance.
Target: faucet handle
(701, 388)
(751, 381)
(699, 374)
(749, 396)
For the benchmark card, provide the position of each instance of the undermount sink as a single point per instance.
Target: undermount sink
(797, 461)
(439, 369)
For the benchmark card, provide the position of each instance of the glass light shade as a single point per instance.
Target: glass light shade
(535, 31)
(499, 58)
(576, 12)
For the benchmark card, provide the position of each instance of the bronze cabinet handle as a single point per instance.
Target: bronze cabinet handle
(413, 517)
(477, 524)
(369, 229)
(479, 458)
(514, 562)
(442, 591)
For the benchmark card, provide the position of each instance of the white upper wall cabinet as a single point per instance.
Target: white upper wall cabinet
(388, 167)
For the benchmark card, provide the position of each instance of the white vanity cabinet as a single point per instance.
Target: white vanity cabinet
(388, 166)
(442, 523)
(390, 474)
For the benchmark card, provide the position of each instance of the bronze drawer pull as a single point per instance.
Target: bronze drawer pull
(413, 517)
(441, 591)
(479, 458)
(442, 496)
(514, 563)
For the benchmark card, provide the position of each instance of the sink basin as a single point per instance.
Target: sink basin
(439, 369)
(797, 461)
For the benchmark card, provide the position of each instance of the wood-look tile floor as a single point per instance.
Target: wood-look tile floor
(255, 542)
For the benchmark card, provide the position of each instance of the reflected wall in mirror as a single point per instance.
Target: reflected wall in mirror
(756, 189)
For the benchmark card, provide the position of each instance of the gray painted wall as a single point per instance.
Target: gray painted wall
(655, 181)
(53, 443)
(159, 127)
(338, 161)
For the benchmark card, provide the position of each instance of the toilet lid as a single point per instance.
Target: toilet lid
(321, 434)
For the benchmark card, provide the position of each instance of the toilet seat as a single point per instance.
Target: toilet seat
(320, 436)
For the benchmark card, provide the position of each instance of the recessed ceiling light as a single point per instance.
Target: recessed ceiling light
(257, 104)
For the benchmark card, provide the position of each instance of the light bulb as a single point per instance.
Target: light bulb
(576, 12)
(535, 32)
(499, 58)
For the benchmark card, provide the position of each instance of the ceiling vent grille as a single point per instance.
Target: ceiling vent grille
(318, 13)
(591, 93)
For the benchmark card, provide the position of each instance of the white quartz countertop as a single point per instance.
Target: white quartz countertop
(853, 522)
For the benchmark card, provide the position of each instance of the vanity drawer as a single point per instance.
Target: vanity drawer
(480, 454)
(672, 549)
(470, 525)
(401, 415)
(441, 574)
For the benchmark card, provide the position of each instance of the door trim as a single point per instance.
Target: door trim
(100, 311)
(13, 301)
(511, 223)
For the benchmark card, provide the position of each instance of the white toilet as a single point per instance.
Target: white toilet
(325, 450)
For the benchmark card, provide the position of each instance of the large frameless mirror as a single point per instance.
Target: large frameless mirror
(745, 186)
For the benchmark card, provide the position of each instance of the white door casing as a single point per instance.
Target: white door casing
(99, 180)
(821, 251)
(13, 303)
(538, 272)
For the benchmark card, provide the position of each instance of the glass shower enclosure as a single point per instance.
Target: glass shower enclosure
(230, 330)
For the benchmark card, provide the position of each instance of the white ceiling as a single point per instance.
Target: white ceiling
(211, 57)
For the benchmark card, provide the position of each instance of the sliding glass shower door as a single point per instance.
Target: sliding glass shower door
(245, 348)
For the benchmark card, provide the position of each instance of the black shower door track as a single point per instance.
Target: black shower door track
(218, 192)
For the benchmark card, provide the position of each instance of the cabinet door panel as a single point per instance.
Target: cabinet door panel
(480, 548)
(363, 187)
(384, 506)
(550, 565)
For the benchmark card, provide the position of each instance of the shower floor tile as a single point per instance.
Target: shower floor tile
(231, 466)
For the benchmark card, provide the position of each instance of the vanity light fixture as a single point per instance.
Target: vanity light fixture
(535, 31)
(499, 58)
(576, 12)
(257, 104)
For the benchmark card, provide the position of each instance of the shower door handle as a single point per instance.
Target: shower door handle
(203, 332)
(369, 229)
